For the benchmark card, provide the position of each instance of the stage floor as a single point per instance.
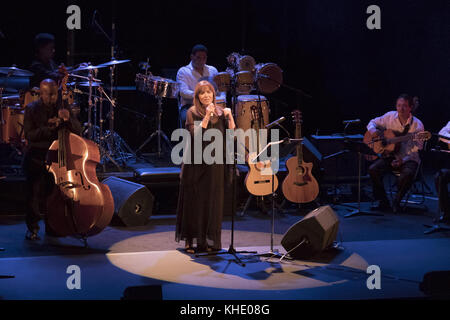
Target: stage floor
(148, 257)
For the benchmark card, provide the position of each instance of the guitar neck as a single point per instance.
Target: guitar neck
(298, 135)
(406, 137)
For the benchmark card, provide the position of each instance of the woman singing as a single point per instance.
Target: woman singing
(203, 186)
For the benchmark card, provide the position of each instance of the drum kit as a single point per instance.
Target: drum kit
(112, 146)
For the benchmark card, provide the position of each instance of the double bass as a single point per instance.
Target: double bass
(79, 205)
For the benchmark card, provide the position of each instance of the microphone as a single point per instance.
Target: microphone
(261, 75)
(276, 122)
(351, 121)
(212, 113)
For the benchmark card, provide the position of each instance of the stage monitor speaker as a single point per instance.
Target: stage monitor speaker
(317, 230)
(133, 202)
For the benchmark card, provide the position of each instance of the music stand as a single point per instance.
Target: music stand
(361, 148)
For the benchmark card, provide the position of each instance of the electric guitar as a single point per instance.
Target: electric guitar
(260, 175)
(299, 186)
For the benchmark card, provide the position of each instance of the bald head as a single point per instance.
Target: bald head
(48, 92)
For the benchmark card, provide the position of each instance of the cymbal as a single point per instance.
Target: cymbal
(86, 84)
(12, 97)
(88, 68)
(113, 62)
(10, 90)
(13, 71)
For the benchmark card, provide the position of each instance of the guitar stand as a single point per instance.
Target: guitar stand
(259, 203)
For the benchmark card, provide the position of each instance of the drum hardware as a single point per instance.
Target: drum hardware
(160, 88)
(112, 146)
(10, 71)
(87, 84)
(145, 66)
(84, 78)
(85, 68)
(113, 62)
(241, 63)
(13, 71)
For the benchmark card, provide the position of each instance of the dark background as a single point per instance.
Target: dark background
(323, 47)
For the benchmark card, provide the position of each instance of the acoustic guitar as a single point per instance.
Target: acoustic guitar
(299, 186)
(390, 140)
(260, 175)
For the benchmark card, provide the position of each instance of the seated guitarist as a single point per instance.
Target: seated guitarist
(442, 179)
(404, 159)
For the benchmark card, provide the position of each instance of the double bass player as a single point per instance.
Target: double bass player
(41, 123)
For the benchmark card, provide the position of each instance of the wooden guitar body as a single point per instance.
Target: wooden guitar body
(300, 186)
(259, 179)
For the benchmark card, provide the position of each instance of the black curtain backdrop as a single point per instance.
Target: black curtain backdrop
(323, 47)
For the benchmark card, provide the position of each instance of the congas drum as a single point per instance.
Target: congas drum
(12, 128)
(269, 77)
(246, 63)
(162, 87)
(222, 102)
(244, 114)
(223, 81)
(244, 82)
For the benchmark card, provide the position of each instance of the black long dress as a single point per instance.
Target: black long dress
(202, 192)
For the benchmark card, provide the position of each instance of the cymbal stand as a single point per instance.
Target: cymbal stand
(90, 133)
(115, 147)
(159, 133)
(101, 139)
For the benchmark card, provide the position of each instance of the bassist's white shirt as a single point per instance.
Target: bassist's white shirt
(409, 150)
